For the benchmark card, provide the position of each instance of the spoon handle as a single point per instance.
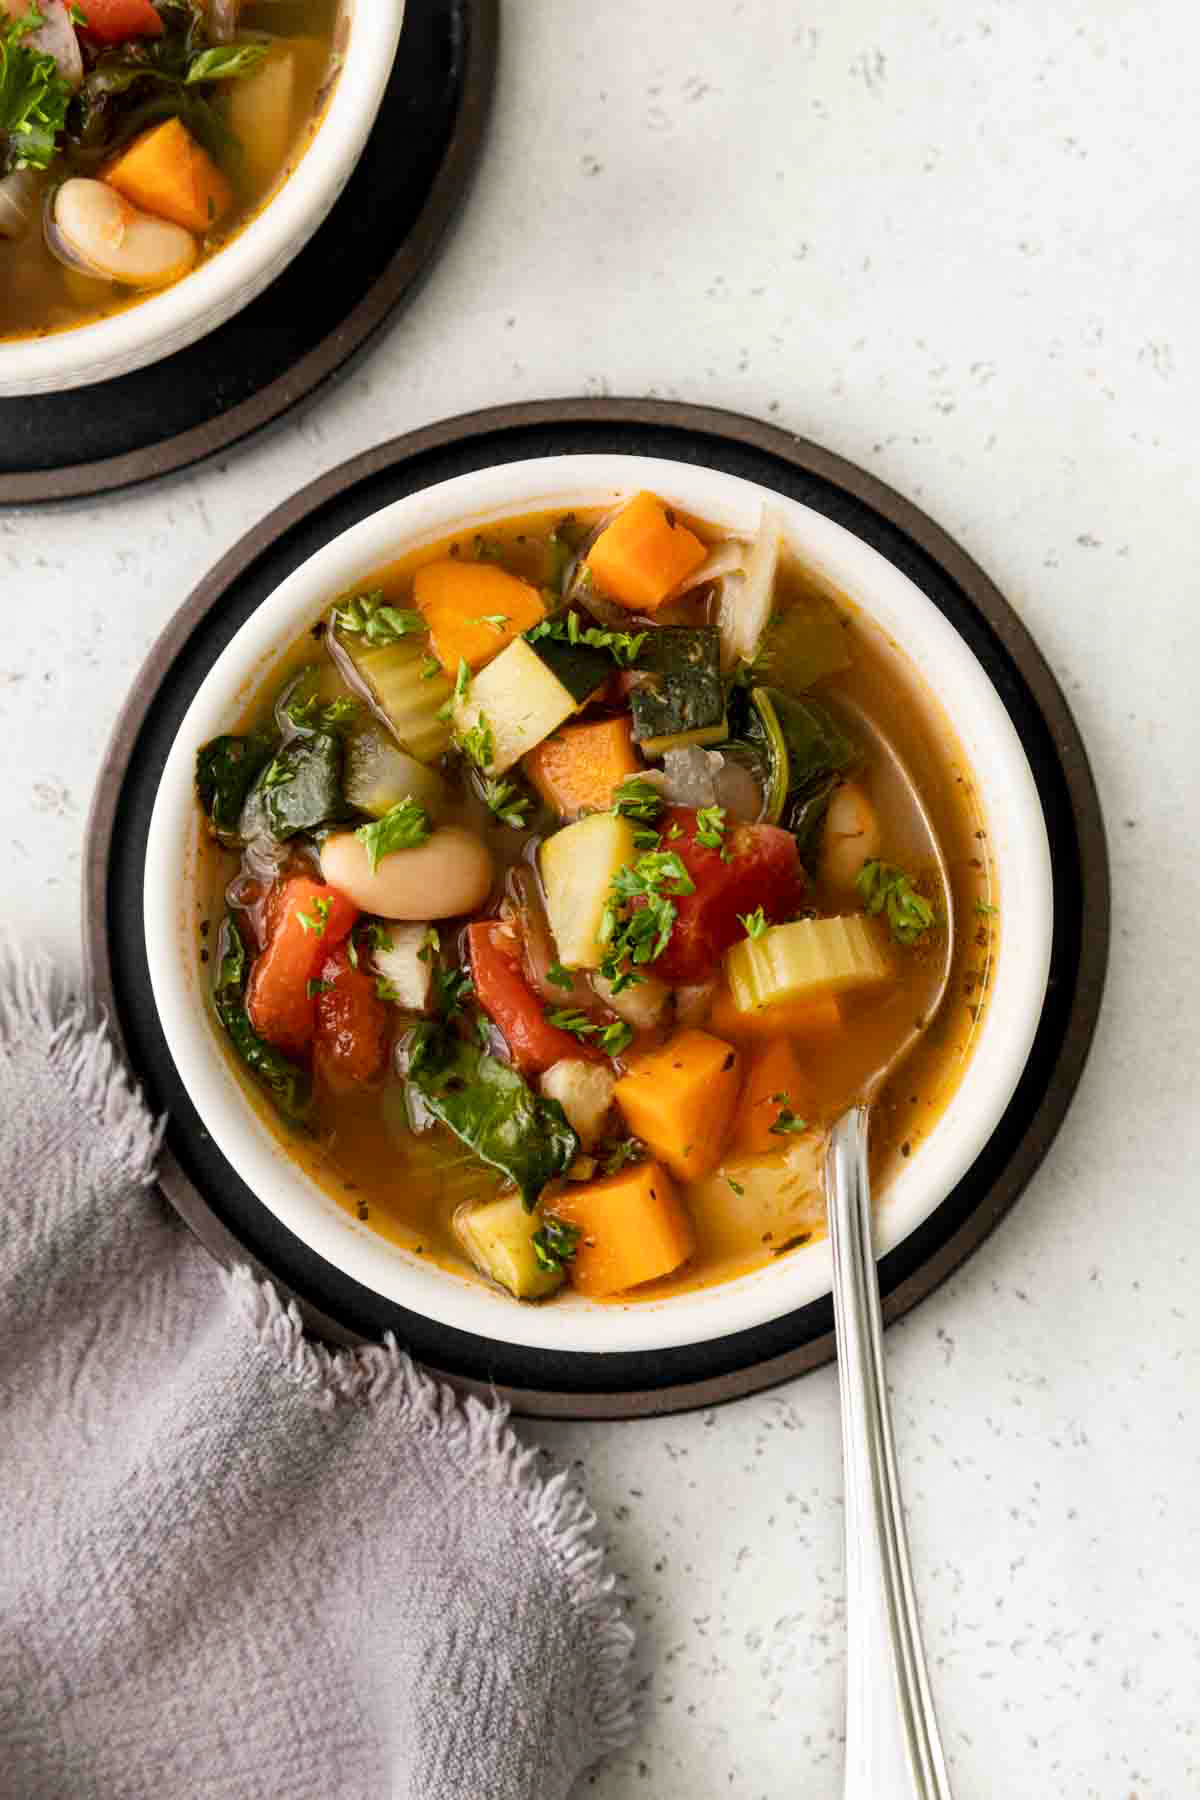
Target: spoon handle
(893, 1750)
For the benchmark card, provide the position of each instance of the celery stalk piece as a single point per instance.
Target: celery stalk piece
(805, 960)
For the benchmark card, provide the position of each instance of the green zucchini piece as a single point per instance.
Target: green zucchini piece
(682, 695)
(804, 754)
(226, 770)
(408, 691)
(379, 775)
(579, 667)
(300, 789)
(497, 1236)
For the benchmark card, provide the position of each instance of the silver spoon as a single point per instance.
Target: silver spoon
(893, 1748)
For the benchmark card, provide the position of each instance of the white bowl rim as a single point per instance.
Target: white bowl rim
(166, 321)
(1010, 804)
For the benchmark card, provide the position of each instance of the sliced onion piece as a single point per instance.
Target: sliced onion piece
(744, 609)
(90, 227)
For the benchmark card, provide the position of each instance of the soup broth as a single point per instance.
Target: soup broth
(144, 136)
(741, 851)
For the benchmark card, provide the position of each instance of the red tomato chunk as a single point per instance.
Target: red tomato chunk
(513, 1007)
(353, 1027)
(763, 869)
(306, 920)
(113, 20)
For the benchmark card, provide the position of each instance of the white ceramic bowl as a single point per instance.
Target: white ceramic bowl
(1005, 787)
(220, 287)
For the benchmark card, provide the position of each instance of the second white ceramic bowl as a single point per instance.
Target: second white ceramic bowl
(976, 714)
(167, 321)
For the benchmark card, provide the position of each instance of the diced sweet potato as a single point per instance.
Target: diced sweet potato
(680, 1099)
(643, 554)
(473, 610)
(633, 1228)
(802, 1019)
(166, 172)
(577, 769)
(777, 1088)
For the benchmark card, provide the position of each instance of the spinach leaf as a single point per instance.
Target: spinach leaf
(226, 769)
(488, 1106)
(288, 1085)
(300, 789)
(804, 753)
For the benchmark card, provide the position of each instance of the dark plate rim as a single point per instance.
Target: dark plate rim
(980, 592)
(400, 279)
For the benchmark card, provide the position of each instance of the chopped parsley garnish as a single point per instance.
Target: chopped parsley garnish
(787, 1124)
(34, 98)
(378, 937)
(639, 800)
(430, 666)
(369, 616)
(497, 621)
(556, 1243)
(622, 646)
(885, 888)
(985, 908)
(561, 977)
(488, 549)
(572, 1020)
(222, 62)
(478, 744)
(317, 920)
(452, 989)
(277, 775)
(314, 987)
(405, 827)
(616, 1037)
(735, 1185)
(462, 681)
(640, 914)
(431, 946)
(754, 923)
(710, 827)
(508, 803)
(387, 990)
(312, 715)
(628, 1150)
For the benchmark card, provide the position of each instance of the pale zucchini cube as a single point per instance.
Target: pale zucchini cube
(520, 701)
(577, 865)
(497, 1236)
(406, 965)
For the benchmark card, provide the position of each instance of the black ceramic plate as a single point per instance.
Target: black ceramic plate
(368, 257)
(203, 1186)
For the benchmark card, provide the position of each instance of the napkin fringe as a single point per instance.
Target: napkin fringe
(484, 1445)
(37, 1001)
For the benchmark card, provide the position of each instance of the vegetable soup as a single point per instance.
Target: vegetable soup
(138, 136)
(560, 891)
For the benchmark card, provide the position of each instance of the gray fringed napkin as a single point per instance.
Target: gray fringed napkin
(232, 1563)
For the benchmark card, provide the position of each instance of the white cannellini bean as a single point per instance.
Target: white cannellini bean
(114, 239)
(450, 873)
(850, 837)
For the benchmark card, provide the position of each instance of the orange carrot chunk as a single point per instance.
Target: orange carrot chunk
(576, 770)
(643, 554)
(633, 1228)
(308, 920)
(777, 1090)
(473, 610)
(680, 1100)
(166, 172)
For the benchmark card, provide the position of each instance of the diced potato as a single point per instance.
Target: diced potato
(752, 1203)
(577, 866)
(641, 1006)
(680, 1100)
(406, 965)
(498, 1235)
(261, 113)
(805, 960)
(520, 702)
(584, 1090)
(633, 1228)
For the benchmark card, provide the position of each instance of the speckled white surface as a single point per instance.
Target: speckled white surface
(956, 244)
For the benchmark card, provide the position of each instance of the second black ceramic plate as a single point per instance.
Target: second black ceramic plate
(235, 1224)
(364, 261)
